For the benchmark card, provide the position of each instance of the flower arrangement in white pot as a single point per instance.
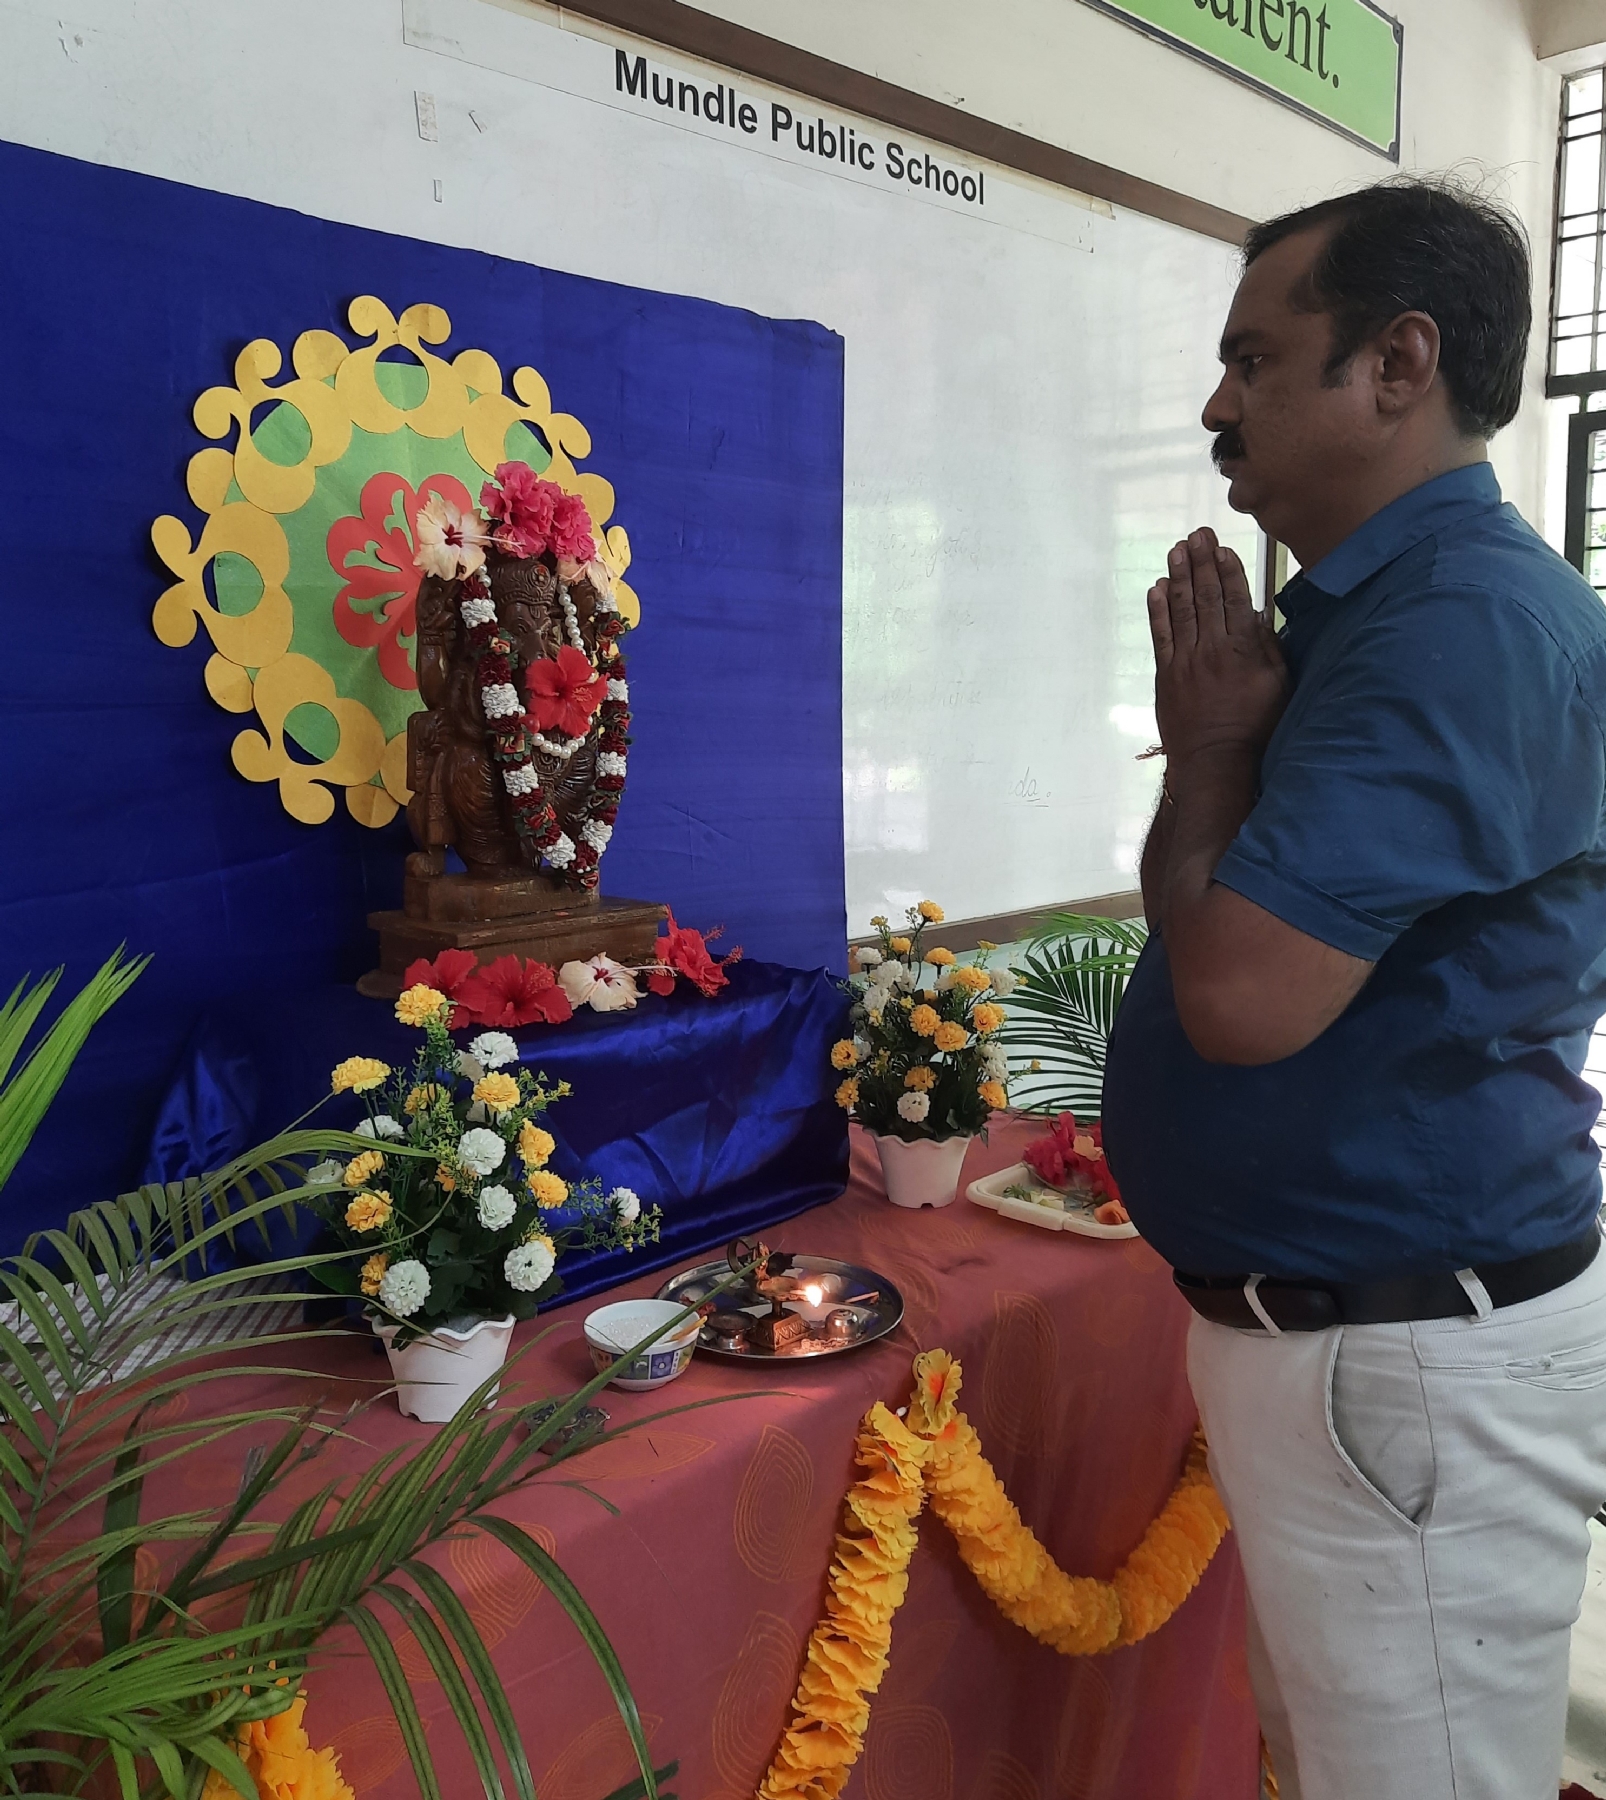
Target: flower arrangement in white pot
(454, 1221)
(924, 1070)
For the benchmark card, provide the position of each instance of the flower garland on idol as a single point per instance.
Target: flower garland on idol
(929, 1451)
(552, 705)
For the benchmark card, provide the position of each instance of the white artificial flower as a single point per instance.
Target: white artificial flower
(477, 612)
(493, 1048)
(626, 1203)
(521, 781)
(328, 1169)
(906, 978)
(596, 834)
(480, 1150)
(610, 762)
(1005, 981)
(618, 690)
(870, 958)
(381, 1125)
(602, 984)
(471, 1069)
(560, 854)
(500, 700)
(913, 1107)
(528, 1267)
(861, 1047)
(497, 1207)
(946, 979)
(995, 1062)
(404, 1288)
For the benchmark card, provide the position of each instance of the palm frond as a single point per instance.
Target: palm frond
(1072, 979)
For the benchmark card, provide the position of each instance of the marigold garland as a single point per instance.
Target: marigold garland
(934, 1452)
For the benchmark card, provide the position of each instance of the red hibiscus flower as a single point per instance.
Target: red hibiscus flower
(564, 692)
(570, 536)
(513, 991)
(1072, 1156)
(448, 974)
(685, 952)
(378, 605)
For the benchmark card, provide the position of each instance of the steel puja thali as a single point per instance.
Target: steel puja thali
(784, 1307)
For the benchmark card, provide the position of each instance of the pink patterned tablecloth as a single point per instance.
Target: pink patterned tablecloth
(711, 1576)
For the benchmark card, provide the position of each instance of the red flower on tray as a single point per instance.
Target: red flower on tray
(564, 692)
(515, 991)
(1071, 1157)
(447, 974)
(378, 605)
(685, 952)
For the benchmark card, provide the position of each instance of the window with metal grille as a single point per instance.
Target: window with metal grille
(1578, 318)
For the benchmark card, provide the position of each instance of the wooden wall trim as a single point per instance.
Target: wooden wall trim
(960, 935)
(695, 33)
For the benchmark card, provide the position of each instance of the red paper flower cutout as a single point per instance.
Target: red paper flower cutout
(447, 974)
(373, 555)
(564, 692)
(513, 991)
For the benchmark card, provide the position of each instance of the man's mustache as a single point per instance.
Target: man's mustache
(1229, 446)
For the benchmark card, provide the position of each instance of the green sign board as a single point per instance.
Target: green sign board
(1336, 60)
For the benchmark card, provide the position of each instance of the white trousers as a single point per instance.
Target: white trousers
(1411, 1505)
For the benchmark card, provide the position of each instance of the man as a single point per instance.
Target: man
(1343, 1095)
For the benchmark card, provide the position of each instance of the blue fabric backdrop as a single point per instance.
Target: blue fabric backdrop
(722, 434)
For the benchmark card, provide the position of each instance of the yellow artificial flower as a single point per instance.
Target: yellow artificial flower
(535, 1145)
(985, 944)
(280, 1757)
(549, 1190)
(949, 1036)
(843, 1054)
(879, 920)
(928, 995)
(922, 1080)
(899, 945)
(357, 1074)
(985, 1016)
(939, 958)
(993, 1093)
(369, 1162)
(562, 1091)
(368, 1212)
(924, 1020)
(421, 1098)
(420, 1004)
(972, 980)
(444, 1178)
(875, 1020)
(499, 1092)
(373, 1272)
(930, 911)
(847, 1095)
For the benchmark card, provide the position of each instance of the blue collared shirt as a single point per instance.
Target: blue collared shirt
(1431, 801)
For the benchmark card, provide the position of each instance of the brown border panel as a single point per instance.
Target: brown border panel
(960, 935)
(685, 28)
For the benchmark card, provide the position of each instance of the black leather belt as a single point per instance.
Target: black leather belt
(1316, 1305)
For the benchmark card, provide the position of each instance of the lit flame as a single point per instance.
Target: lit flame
(814, 1293)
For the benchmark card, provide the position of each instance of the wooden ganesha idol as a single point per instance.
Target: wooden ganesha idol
(517, 762)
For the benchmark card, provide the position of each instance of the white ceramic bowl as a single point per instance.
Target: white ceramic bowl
(612, 1330)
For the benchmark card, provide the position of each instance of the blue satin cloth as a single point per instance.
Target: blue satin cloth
(719, 1111)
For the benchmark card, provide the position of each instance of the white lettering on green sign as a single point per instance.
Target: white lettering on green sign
(1337, 60)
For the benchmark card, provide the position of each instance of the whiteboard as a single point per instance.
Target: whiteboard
(1023, 376)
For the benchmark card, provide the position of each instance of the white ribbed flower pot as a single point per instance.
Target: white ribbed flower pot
(437, 1372)
(924, 1172)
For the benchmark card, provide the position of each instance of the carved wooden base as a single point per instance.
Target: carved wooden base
(559, 927)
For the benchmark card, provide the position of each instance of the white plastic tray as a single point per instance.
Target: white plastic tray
(989, 1192)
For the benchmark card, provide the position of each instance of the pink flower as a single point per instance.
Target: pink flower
(523, 504)
(570, 536)
(564, 692)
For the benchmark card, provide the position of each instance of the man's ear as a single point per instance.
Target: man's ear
(1408, 352)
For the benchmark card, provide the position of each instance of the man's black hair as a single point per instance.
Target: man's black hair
(1417, 246)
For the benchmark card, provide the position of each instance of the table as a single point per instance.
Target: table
(712, 1576)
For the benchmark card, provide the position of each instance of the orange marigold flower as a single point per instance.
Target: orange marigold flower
(368, 1162)
(368, 1212)
(420, 1004)
(847, 1094)
(922, 1080)
(949, 1036)
(940, 958)
(421, 1098)
(535, 1145)
(373, 1272)
(499, 1092)
(549, 1190)
(843, 1054)
(900, 946)
(358, 1074)
(972, 980)
(995, 1094)
(930, 911)
(924, 1020)
(985, 1016)
(445, 1178)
